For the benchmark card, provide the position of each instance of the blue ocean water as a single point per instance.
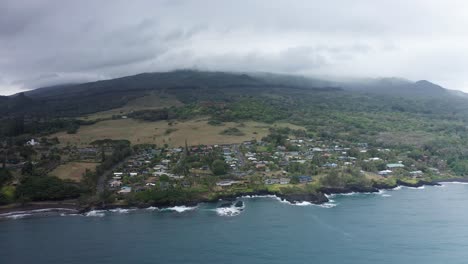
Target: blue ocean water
(427, 225)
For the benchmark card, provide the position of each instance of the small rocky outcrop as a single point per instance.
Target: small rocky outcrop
(417, 184)
(316, 198)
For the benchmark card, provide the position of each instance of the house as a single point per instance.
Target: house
(125, 190)
(165, 162)
(385, 172)
(225, 183)
(416, 174)
(330, 165)
(32, 142)
(260, 166)
(226, 151)
(305, 179)
(115, 184)
(395, 165)
(133, 174)
(176, 177)
(285, 180)
(272, 181)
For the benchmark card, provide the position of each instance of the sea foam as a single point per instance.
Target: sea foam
(180, 209)
(455, 182)
(229, 211)
(95, 213)
(121, 210)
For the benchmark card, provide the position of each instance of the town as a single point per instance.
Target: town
(284, 161)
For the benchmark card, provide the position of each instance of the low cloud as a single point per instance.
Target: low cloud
(48, 42)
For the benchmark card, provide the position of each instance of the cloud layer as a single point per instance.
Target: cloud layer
(50, 42)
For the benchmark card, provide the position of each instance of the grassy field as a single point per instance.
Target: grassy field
(139, 132)
(151, 101)
(73, 170)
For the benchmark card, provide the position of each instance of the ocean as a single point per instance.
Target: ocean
(406, 225)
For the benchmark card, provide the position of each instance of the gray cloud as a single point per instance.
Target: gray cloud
(51, 42)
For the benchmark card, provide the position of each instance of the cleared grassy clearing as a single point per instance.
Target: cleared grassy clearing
(72, 170)
(194, 131)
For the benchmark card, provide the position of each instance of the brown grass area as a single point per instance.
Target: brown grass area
(139, 132)
(73, 170)
(151, 101)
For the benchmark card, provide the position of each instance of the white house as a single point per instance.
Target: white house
(385, 172)
(32, 142)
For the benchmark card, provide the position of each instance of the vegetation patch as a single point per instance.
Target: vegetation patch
(73, 170)
(232, 131)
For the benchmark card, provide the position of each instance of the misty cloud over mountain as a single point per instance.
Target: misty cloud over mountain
(52, 42)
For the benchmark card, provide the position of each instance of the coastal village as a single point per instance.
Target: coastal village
(283, 160)
(301, 161)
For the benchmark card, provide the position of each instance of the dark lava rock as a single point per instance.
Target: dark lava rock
(316, 198)
(349, 189)
(239, 204)
(417, 184)
(224, 205)
(383, 185)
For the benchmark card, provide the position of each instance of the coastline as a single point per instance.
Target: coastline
(44, 209)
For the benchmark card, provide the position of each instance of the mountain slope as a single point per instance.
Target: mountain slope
(189, 87)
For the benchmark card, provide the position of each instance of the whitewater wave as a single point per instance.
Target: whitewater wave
(331, 203)
(65, 214)
(95, 213)
(121, 210)
(17, 216)
(386, 195)
(229, 211)
(416, 188)
(455, 182)
(36, 212)
(327, 205)
(397, 188)
(180, 209)
(152, 208)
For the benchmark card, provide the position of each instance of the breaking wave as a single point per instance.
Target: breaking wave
(455, 182)
(95, 213)
(17, 216)
(229, 211)
(37, 212)
(121, 210)
(416, 188)
(180, 209)
(329, 204)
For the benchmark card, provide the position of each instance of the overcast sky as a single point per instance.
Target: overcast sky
(50, 42)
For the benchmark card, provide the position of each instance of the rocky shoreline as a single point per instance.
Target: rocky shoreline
(318, 198)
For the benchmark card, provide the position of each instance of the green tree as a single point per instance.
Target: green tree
(219, 167)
